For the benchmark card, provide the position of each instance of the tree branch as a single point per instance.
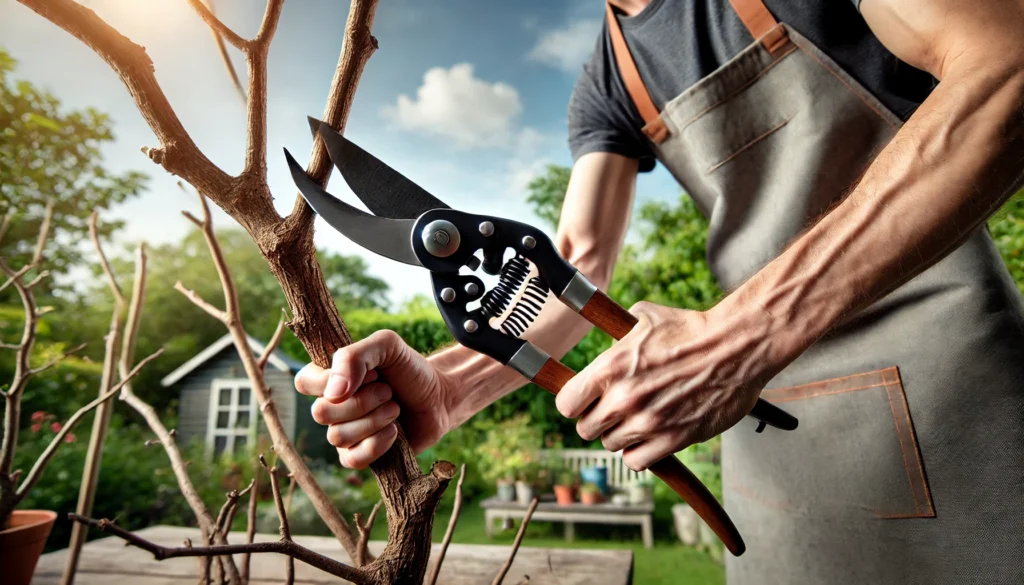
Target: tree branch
(451, 527)
(178, 153)
(218, 27)
(515, 545)
(250, 524)
(57, 359)
(111, 281)
(286, 533)
(364, 533)
(285, 547)
(271, 347)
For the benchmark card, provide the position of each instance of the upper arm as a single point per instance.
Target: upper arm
(596, 211)
(933, 34)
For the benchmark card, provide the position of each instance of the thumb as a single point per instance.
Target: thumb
(351, 364)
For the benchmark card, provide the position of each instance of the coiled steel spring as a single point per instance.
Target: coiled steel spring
(496, 300)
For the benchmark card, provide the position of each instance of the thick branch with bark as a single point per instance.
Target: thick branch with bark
(287, 243)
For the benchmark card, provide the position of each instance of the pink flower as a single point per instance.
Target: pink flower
(69, 438)
(36, 427)
(55, 427)
(38, 415)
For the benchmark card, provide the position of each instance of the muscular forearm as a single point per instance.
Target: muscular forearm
(947, 169)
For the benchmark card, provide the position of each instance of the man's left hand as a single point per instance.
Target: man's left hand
(679, 377)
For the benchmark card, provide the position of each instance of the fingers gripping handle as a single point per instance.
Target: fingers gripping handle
(554, 375)
(609, 316)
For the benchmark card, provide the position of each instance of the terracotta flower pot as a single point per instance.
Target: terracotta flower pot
(22, 542)
(591, 498)
(565, 495)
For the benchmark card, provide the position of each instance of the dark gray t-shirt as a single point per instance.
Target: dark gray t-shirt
(676, 43)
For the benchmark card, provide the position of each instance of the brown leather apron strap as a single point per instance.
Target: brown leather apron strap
(654, 126)
(761, 24)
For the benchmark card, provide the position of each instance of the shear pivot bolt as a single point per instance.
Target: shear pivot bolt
(486, 228)
(469, 326)
(448, 294)
(529, 242)
(472, 289)
(441, 238)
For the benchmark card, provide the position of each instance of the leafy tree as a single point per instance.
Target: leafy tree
(47, 152)
(547, 193)
(350, 284)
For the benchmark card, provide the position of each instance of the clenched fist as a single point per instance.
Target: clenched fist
(370, 385)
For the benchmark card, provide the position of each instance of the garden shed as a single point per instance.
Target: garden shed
(216, 405)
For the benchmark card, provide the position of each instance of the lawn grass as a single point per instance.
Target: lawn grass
(667, 563)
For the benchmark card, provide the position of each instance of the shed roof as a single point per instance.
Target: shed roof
(278, 359)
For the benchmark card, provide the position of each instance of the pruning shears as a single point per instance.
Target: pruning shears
(410, 225)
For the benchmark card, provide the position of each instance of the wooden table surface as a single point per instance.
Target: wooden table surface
(107, 561)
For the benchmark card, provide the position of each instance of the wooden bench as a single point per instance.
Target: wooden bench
(619, 477)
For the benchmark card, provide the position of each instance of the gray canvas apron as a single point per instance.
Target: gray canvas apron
(908, 464)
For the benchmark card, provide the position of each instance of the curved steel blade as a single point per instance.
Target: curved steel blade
(388, 237)
(385, 191)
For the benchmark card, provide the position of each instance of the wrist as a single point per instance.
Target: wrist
(469, 382)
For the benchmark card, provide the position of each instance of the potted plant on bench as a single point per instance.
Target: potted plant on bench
(565, 486)
(591, 494)
(510, 452)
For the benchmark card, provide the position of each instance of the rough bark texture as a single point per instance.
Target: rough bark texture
(287, 243)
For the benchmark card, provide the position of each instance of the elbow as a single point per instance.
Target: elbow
(594, 260)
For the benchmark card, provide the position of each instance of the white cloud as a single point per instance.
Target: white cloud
(453, 103)
(569, 47)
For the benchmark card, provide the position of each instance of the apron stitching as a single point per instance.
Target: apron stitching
(917, 451)
(903, 450)
(747, 145)
(831, 380)
(826, 392)
(737, 91)
(852, 89)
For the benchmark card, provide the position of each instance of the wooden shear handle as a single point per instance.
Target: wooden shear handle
(554, 375)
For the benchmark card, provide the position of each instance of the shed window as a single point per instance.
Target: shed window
(232, 421)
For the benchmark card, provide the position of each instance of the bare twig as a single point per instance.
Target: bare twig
(515, 545)
(57, 359)
(219, 27)
(250, 524)
(364, 529)
(275, 340)
(285, 547)
(223, 50)
(111, 280)
(451, 527)
(37, 470)
(286, 533)
(288, 496)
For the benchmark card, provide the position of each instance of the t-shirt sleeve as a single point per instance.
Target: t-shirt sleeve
(598, 119)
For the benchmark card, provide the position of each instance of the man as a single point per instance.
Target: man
(847, 163)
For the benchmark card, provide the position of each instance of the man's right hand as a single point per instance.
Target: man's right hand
(372, 383)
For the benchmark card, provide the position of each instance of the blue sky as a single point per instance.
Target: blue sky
(466, 98)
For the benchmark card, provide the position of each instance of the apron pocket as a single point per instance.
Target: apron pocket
(854, 453)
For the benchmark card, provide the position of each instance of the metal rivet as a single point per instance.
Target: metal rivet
(472, 289)
(448, 294)
(441, 238)
(529, 242)
(469, 326)
(486, 228)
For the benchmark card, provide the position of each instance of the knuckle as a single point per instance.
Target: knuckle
(386, 336)
(336, 437)
(321, 411)
(633, 461)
